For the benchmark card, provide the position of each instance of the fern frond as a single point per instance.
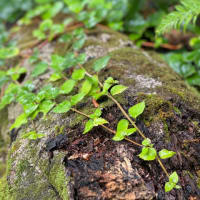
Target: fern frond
(186, 12)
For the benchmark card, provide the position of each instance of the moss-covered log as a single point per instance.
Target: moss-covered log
(66, 164)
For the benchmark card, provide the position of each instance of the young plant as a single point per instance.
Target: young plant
(81, 82)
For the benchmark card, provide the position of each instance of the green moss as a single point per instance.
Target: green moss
(57, 177)
(166, 130)
(59, 129)
(177, 110)
(4, 190)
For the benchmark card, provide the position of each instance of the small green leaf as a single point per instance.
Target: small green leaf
(130, 131)
(118, 89)
(67, 86)
(177, 186)
(60, 63)
(55, 29)
(169, 186)
(137, 109)
(9, 52)
(57, 63)
(173, 178)
(78, 74)
(20, 120)
(6, 99)
(122, 125)
(29, 108)
(96, 114)
(35, 56)
(53, 10)
(88, 126)
(46, 106)
(99, 121)
(62, 107)
(46, 25)
(86, 87)
(39, 69)
(148, 154)
(78, 44)
(75, 5)
(164, 153)
(48, 92)
(15, 72)
(118, 137)
(76, 98)
(101, 63)
(81, 58)
(108, 83)
(146, 142)
(65, 38)
(39, 34)
(55, 76)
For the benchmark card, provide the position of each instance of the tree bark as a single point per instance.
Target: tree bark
(66, 164)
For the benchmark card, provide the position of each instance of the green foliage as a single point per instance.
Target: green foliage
(9, 52)
(77, 98)
(21, 119)
(101, 63)
(164, 153)
(48, 29)
(32, 135)
(67, 86)
(62, 107)
(122, 130)
(10, 10)
(118, 89)
(185, 13)
(95, 120)
(86, 87)
(88, 126)
(136, 110)
(172, 183)
(39, 69)
(148, 154)
(118, 14)
(186, 64)
(78, 74)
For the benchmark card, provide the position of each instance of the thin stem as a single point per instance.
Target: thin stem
(126, 115)
(162, 166)
(79, 112)
(130, 120)
(108, 129)
(119, 106)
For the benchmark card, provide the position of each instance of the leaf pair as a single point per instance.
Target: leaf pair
(123, 130)
(172, 183)
(149, 153)
(95, 120)
(137, 110)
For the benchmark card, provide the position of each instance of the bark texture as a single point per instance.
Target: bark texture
(66, 164)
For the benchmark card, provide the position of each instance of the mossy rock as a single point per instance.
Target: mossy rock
(93, 166)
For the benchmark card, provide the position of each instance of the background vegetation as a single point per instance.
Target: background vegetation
(137, 18)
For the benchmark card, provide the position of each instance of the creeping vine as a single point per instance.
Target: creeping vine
(45, 100)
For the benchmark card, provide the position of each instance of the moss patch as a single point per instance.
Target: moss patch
(57, 177)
